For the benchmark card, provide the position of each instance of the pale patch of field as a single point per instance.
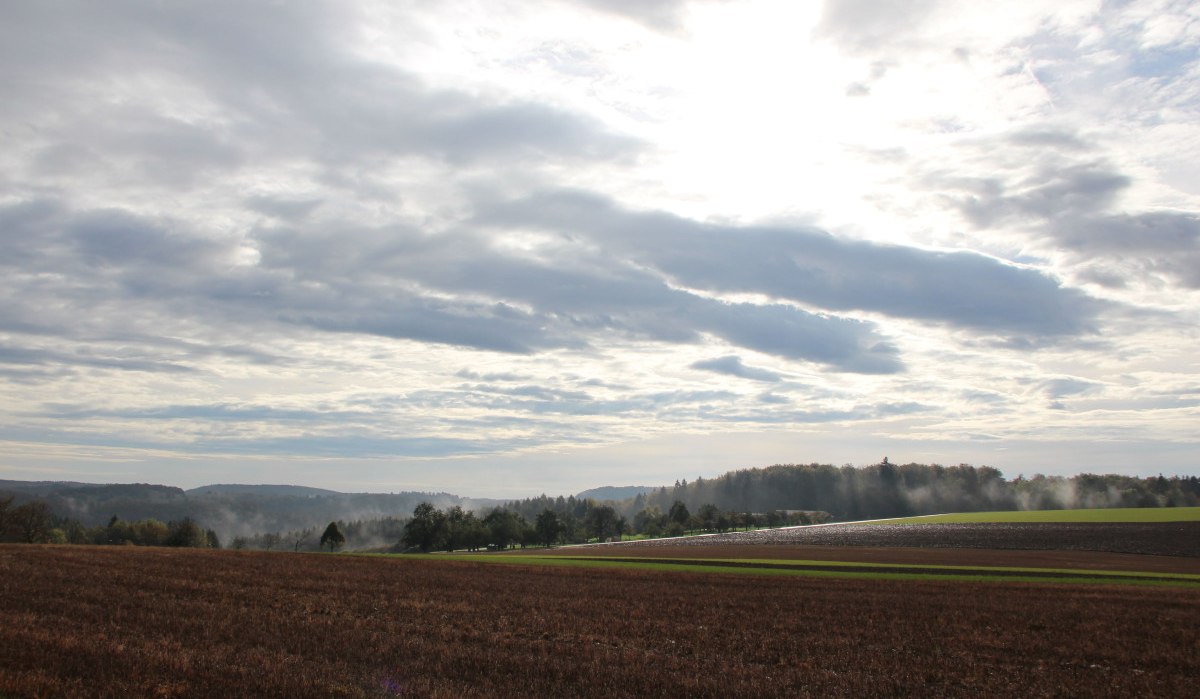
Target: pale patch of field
(1115, 514)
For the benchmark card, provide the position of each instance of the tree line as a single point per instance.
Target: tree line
(375, 533)
(748, 498)
(33, 522)
(570, 520)
(890, 490)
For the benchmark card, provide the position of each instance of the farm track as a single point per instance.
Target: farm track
(1158, 538)
(133, 622)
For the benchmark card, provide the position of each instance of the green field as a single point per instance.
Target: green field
(1116, 514)
(836, 569)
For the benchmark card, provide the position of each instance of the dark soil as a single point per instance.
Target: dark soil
(1082, 576)
(135, 622)
(1080, 560)
(1157, 539)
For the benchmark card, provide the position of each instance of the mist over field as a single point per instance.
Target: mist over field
(376, 520)
(231, 511)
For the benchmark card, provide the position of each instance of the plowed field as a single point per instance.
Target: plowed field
(129, 622)
(1076, 560)
(1157, 538)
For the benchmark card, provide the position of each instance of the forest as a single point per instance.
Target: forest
(747, 498)
(891, 490)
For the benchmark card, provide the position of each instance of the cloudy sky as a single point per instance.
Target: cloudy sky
(506, 247)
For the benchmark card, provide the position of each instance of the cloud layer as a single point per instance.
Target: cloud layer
(253, 231)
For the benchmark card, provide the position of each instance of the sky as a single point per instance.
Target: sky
(502, 248)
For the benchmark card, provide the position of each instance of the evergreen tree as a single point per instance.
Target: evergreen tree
(548, 527)
(333, 537)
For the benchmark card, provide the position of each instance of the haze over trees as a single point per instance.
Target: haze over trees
(757, 497)
(891, 490)
(232, 511)
(33, 522)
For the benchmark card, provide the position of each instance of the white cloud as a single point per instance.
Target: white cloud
(464, 239)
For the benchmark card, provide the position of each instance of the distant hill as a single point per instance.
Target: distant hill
(612, 492)
(93, 490)
(229, 509)
(41, 486)
(242, 489)
(848, 493)
(887, 490)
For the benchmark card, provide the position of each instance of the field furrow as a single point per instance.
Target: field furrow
(130, 622)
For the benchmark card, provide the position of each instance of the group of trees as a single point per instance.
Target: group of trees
(33, 522)
(432, 529)
(749, 498)
(678, 520)
(573, 521)
(29, 523)
(893, 490)
(151, 532)
(791, 494)
(376, 533)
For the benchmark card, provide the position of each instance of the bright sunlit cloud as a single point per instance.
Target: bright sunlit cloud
(502, 248)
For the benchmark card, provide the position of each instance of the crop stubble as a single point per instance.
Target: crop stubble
(155, 622)
(897, 555)
(1181, 539)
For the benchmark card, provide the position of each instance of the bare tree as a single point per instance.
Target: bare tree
(32, 521)
(5, 516)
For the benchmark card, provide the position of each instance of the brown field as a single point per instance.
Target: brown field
(1181, 539)
(1081, 561)
(1078, 560)
(132, 622)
